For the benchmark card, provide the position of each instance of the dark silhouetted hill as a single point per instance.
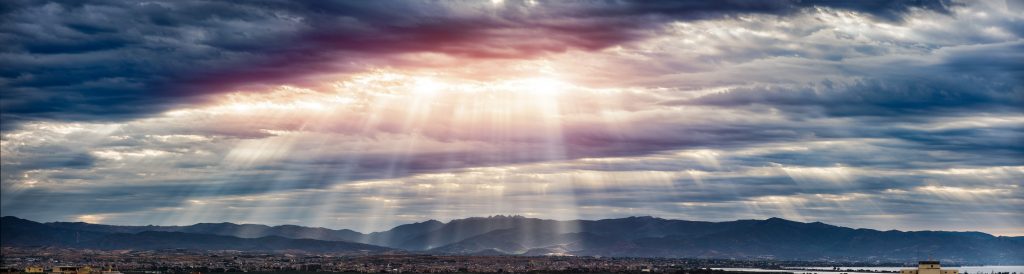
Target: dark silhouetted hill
(515, 235)
(21, 232)
(225, 229)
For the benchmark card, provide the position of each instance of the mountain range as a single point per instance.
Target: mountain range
(773, 238)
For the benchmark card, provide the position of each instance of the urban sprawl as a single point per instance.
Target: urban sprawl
(79, 261)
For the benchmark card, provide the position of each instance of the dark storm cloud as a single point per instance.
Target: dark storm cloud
(56, 158)
(110, 60)
(964, 79)
(940, 94)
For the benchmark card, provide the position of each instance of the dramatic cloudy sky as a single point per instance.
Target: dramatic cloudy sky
(366, 114)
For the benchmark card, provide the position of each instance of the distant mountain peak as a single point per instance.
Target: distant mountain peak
(500, 216)
(780, 220)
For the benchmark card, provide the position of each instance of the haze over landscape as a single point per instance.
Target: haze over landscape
(786, 129)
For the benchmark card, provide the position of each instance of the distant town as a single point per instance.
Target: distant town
(83, 261)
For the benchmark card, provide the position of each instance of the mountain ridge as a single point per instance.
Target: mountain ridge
(773, 238)
(21, 232)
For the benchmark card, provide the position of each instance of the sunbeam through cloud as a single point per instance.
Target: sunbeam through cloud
(386, 117)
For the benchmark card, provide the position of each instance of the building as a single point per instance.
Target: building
(71, 270)
(929, 267)
(34, 269)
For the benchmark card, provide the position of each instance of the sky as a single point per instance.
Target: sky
(901, 115)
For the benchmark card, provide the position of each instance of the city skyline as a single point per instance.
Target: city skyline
(366, 115)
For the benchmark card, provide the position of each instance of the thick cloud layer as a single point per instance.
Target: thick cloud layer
(888, 114)
(103, 60)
